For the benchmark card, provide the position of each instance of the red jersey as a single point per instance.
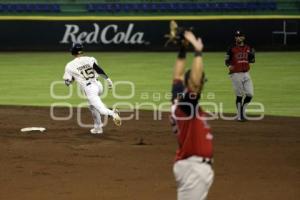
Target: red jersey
(193, 133)
(239, 58)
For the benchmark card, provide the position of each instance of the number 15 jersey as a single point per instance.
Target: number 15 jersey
(81, 69)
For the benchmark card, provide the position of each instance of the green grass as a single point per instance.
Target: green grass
(25, 79)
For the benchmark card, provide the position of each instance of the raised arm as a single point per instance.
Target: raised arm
(194, 82)
(178, 71)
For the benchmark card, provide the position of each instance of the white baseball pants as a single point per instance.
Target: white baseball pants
(193, 178)
(97, 107)
(242, 84)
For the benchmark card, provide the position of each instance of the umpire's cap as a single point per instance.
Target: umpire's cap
(76, 48)
(239, 33)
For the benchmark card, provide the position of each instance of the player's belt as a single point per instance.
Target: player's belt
(199, 159)
(208, 160)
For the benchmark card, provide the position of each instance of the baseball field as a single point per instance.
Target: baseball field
(253, 160)
(26, 79)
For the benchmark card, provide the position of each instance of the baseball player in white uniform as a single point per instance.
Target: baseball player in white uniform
(85, 71)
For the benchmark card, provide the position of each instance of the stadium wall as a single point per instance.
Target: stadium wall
(144, 33)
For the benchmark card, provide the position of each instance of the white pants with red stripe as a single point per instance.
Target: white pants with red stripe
(193, 178)
(97, 107)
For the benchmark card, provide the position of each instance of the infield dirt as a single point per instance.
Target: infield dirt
(253, 160)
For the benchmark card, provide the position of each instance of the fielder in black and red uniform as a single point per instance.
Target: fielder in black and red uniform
(237, 60)
(192, 167)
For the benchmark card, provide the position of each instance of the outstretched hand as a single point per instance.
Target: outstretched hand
(196, 42)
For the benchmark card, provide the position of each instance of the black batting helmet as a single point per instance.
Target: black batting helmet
(76, 48)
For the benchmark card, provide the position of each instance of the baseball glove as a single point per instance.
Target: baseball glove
(176, 34)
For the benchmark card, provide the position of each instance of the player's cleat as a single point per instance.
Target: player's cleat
(116, 117)
(96, 131)
(241, 119)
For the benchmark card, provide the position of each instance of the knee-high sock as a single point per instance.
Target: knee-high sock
(239, 106)
(246, 101)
